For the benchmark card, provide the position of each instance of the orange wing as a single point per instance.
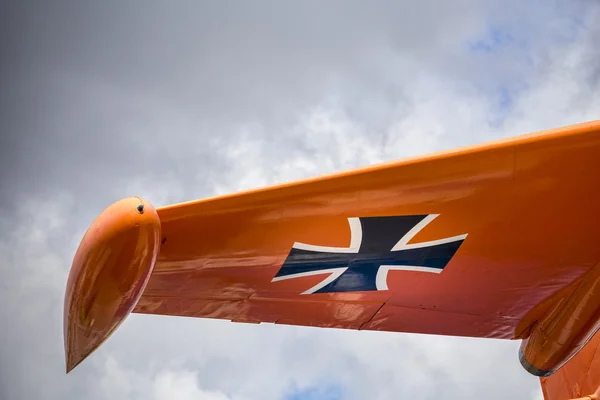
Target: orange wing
(487, 241)
(528, 208)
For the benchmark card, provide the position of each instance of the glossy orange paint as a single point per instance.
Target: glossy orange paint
(111, 268)
(565, 329)
(579, 378)
(529, 207)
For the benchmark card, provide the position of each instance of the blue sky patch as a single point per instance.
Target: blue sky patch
(494, 38)
(330, 392)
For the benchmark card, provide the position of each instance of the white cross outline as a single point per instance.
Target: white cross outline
(355, 242)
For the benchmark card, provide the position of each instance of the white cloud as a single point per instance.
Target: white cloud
(402, 85)
(182, 385)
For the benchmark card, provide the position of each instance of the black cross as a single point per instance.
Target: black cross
(379, 236)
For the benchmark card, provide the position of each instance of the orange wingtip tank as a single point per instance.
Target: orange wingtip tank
(109, 273)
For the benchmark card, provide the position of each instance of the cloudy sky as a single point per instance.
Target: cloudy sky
(175, 101)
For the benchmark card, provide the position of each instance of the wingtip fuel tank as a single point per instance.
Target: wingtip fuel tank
(109, 273)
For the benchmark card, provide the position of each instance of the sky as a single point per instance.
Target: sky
(175, 101)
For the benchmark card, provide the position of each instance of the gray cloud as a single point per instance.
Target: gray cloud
(103, 101)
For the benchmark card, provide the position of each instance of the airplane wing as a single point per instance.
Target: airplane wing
(464, 243)
(485, 241)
